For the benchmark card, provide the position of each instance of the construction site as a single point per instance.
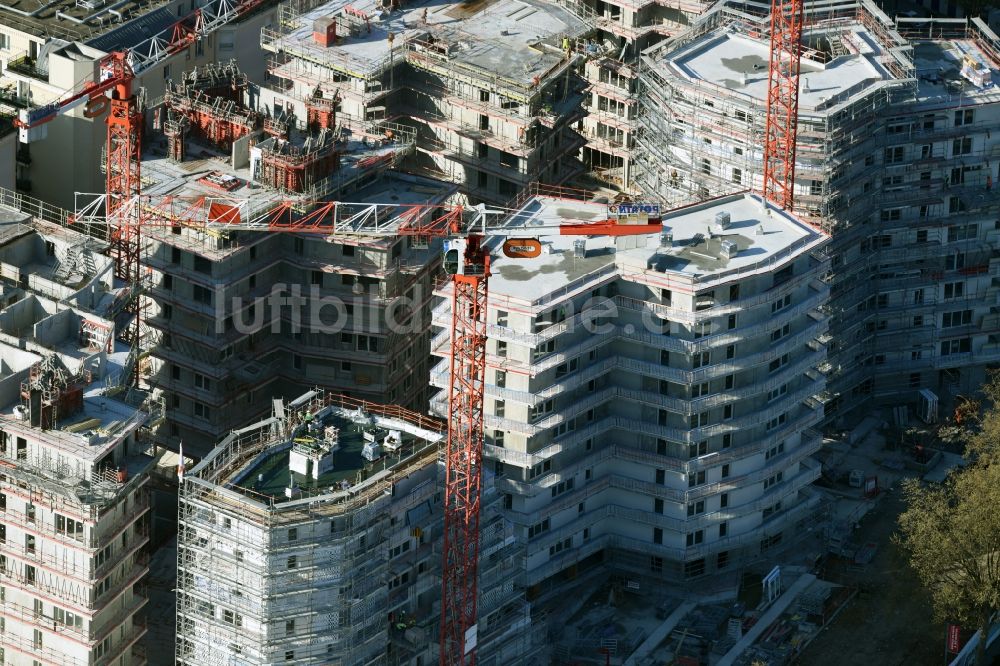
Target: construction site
(893, 159)
(75, 451)
(544, 331)
(315, 536)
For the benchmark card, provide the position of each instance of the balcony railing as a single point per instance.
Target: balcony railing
(28, 66)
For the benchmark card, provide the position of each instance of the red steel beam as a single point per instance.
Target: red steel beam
(463, 460)
(782, 102)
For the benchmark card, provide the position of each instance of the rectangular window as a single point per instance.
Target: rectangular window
(961, 146)
(202, 294)
(960, 232)
(894, 155)
(695, 538)
(954, 289)
(562, 487)
(776, 393)
(538, 528)
(776, 422)
(960, 346)
(959, 318)
(781, 303)
(772, 481)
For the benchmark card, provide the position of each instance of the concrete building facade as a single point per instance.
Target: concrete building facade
(650, 403)
(896, 134)
(493, 90)
(74, 498)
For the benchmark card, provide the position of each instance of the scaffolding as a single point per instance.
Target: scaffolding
(873, 169)
(289, 168)
(321, 574)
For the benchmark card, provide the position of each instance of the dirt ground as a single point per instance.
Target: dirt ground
(889, 622)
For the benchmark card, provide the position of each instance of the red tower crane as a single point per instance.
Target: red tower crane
(112, 92)
(113, 88)
(467, 260)
(787, 17)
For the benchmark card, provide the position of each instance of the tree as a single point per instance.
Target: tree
(951, 532)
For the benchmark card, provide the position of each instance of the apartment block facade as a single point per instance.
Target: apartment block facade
(494, 91)
(238, 320)
(650, 403)
(896, 131)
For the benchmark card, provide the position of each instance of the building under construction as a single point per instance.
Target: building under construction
(897, 141)
(650, 400)
(314, 537)
(624, 28)
(493, 89)
(216, 316)
(74, 498)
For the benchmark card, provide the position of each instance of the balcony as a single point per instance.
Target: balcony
(25, 65)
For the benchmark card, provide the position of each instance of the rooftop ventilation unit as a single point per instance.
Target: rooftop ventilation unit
(667, 239)
(580, 248)
(722, 222)
(727, 249)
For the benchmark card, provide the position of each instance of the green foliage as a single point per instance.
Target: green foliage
(951, 532)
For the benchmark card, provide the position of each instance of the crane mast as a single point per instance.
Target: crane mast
(123, 165)
(787, 17)
(464, 456)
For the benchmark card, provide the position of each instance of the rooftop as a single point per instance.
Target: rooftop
(389, 187)
(315, 447)
(87, 434)
(80, 20)
(521, 39)
(359, 152)
(938, 67)
(271, 474)
(698, 252)
(846, 56)
(740, 63)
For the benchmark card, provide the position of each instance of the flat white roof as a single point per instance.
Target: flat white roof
(497, 35)
(112, 421)
(763, 241)
(739, 63)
